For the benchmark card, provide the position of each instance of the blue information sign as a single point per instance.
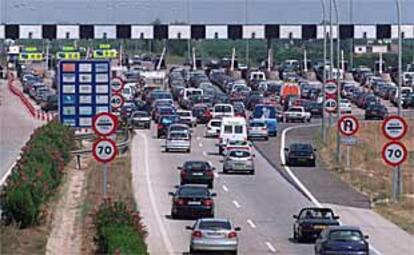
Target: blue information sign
(84, 91)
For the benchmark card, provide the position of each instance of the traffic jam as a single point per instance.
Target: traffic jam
(237, 110)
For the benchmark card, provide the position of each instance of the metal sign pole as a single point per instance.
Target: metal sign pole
(105, 180)
(398, 3)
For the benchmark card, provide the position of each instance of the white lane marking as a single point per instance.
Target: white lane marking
(216, 175)
(205, 153)
(270, 247)
(236, 204)
(297, 181)
(250, 222)
(200, 144)
(161, 226)
(225, 188)
(198, 138)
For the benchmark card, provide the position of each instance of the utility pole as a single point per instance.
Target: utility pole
(331, 41)
(246, 16)
(351, 50)
(189, 39)
(338, 83)
(323, 130)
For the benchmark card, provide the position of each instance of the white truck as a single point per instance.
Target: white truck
(297, 113)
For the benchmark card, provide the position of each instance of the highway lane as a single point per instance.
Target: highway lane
(16, 125)
(261, 204)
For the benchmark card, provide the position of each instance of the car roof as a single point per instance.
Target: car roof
(214, 219)
(194, 186)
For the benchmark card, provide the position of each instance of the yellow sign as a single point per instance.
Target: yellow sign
(105, 46)
(105, 54)
(68, 48)
(68, 55)
(30, 49)
(31, 56)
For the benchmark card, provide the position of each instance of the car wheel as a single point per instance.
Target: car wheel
(266, 138)
(189, 151)
(220, 150)
(211, 185)
(225, 171)
(295, 236)
(251, 172)
(174, 215)
(313, 163)
(192, 251)
(167, 150)
(234, 252)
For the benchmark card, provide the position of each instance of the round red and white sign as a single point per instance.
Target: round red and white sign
(117, 100)
(117, 84)
(348, 125)
(394, 153)
(330, 88)
(104, 150)
(394, 127)
(330, 105)
(104, 124)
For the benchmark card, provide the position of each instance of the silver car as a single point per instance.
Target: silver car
(210, 234)
(178, 141)
(238, 160)
(258, 130)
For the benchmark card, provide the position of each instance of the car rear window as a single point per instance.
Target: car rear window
(222, 108)
(238, 129)
(216, 123)
(239, 154)
(184, 114)
(178, 135)
(196, 165)
(257, 124)
(140, 114)
(301, 147)
(317, 214)
(228, 129)
(345, 235)
(213, 225)
(193, 192)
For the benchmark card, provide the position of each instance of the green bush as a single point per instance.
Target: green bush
(37, 174)
(119, 230)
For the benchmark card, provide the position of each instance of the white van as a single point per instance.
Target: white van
(222, 110)
(129, 91)
(232, 128)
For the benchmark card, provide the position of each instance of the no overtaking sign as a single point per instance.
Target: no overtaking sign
(105, 124)
(394, 127)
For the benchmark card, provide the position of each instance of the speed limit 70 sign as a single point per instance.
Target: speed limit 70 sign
(394, 153)
(104, 150)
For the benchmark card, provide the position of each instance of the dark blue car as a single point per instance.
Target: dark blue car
(344, 240)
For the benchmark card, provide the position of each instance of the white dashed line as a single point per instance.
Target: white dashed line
(200, 144)
(205, 153)
(236, 204)
(250, 222)
(225, 188)
(270, 246)
(216, 175)
(198, 138)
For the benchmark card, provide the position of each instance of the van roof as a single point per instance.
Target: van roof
(234, 120)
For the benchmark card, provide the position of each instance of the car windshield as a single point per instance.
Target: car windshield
(215, 123)
(140, 114)
(267, 112)
(345, 235)
(317, 214)
(184, 114)
(222, 108)
(239, 154)
(215, 225)
(196, 165)
(178, 135)
(295, 110)
(193, 192)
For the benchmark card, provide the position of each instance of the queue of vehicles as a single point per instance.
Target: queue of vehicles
(246, 111)
(35, 87)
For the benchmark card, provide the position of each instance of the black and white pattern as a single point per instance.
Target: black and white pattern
(183, 32)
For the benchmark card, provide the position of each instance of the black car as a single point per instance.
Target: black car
(310, 222)
(300, 154)
(315, 108)
(202, 113)
(197, 172)
(376, 112)
(344, 240)
(192, 200)
(164, 123)
(50, 104)
(408, 101)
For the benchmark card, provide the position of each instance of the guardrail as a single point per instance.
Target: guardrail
(20, 94)
(122, 146)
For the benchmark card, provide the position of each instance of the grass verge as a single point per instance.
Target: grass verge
(369, 174)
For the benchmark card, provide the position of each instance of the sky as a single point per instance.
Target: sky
(198, 11)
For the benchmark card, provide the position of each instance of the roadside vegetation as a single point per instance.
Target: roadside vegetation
(370, 175)
(111, 225)
(30, 192)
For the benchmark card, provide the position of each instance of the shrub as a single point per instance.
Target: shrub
(37, 173)
(119, 230)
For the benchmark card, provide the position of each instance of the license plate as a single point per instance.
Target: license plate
(197, 174)
(194, 202)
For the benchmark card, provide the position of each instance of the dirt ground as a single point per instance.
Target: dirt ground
(369, 174)
(119, 188)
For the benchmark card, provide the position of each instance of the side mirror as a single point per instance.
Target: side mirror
(314, 149)
(189, 227)
(176, 186)
(366, 237)
(295, 216)
(237, 229)
(213, 168)
(286, 149)
(254, 155)
(213, 194)
(336, 217)
(171, 193)
(180, 168)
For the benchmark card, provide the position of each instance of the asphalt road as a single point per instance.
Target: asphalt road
(16, 125)
(261, 204)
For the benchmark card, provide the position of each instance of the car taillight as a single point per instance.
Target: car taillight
(197, 234)
(263, 128)
(159, 126)
(183, 173)
(179, 201)
(210, 173)
(232, 234)
(208, 202)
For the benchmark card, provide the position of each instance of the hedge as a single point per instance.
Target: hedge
(37, 174)
(119, 230)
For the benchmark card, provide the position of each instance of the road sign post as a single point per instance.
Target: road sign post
(117, 101)
(104, 150)
(394, 153)
(348, 126)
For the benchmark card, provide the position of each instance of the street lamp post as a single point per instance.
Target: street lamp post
(323, 131)
(246, 16)
(188, 22)
(338, 84)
